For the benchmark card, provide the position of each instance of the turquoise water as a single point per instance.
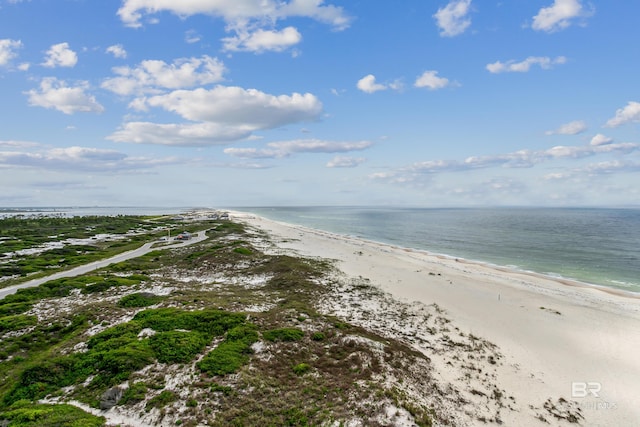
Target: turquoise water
(597, 246)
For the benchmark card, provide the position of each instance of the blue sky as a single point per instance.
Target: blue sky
(311, 102)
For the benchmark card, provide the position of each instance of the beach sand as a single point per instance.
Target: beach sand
(567, 351)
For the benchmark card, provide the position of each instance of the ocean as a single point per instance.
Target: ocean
(592, 245)
(595, 246)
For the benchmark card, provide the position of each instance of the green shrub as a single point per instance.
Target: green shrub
(177, 346)
(226, 358)
(301, 368)
(9, 308)
(134, 394)
(17, 322)
(139, 299)
(232, 353)
(283, 334)
(318, 336)
(242, 251)
(27, 414)
(224, 389)
(163, 399)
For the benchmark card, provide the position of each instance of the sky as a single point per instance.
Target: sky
(230, 103)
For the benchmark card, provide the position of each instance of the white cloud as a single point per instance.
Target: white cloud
(368, 84)
(263, 40)
(287, 148)
(192, 36)
(629, 114)
(189, 134)
(523, 66)
(571, 128)
(8, 49)
(79, 159)
(223, 114)
(56, 94)
(517, 159)
(453, 18)
(431, 81)
(151, 76)
(611, 166)
(239, 106)
(559, 15)
(117, 50)
(601, 139)
(345, 162)
(60, 55)
(18, 144)
(251, 21)
(234, 12)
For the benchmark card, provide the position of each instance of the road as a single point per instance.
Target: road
(77, 271)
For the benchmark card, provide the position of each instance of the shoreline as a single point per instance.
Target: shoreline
(556, 335)
(628, 289)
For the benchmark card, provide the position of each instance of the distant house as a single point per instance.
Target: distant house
(224, 216)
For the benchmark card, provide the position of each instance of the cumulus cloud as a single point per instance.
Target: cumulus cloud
(117, 50)
(601, 139)
(368, 84)
(287, 148)
(8, 49)
(431, 81)
(252, 21)
(345, 162)
(571, 128)
(222, 114)
(523, 66)
(60, 55)
(154, 76)
(239, 106)
(453, 18)
(56, 94)
(559, 15)
(79, 159)
(263, 40)
(629, 114)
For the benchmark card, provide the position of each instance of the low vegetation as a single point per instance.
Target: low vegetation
(242, 343)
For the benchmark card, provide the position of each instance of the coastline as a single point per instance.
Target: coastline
(560, 339)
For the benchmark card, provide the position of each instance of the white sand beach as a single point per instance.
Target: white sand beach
(566, 348)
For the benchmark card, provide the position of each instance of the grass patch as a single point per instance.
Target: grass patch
(139, 299)
(26, 414)
(243, 251)
(301, 368)
(16, 322)
(232, 353)
(177, 346)
(283, 334)
(136, 392)
(163, 399)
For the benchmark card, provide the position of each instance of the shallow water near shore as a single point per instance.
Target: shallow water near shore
(596, 246)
